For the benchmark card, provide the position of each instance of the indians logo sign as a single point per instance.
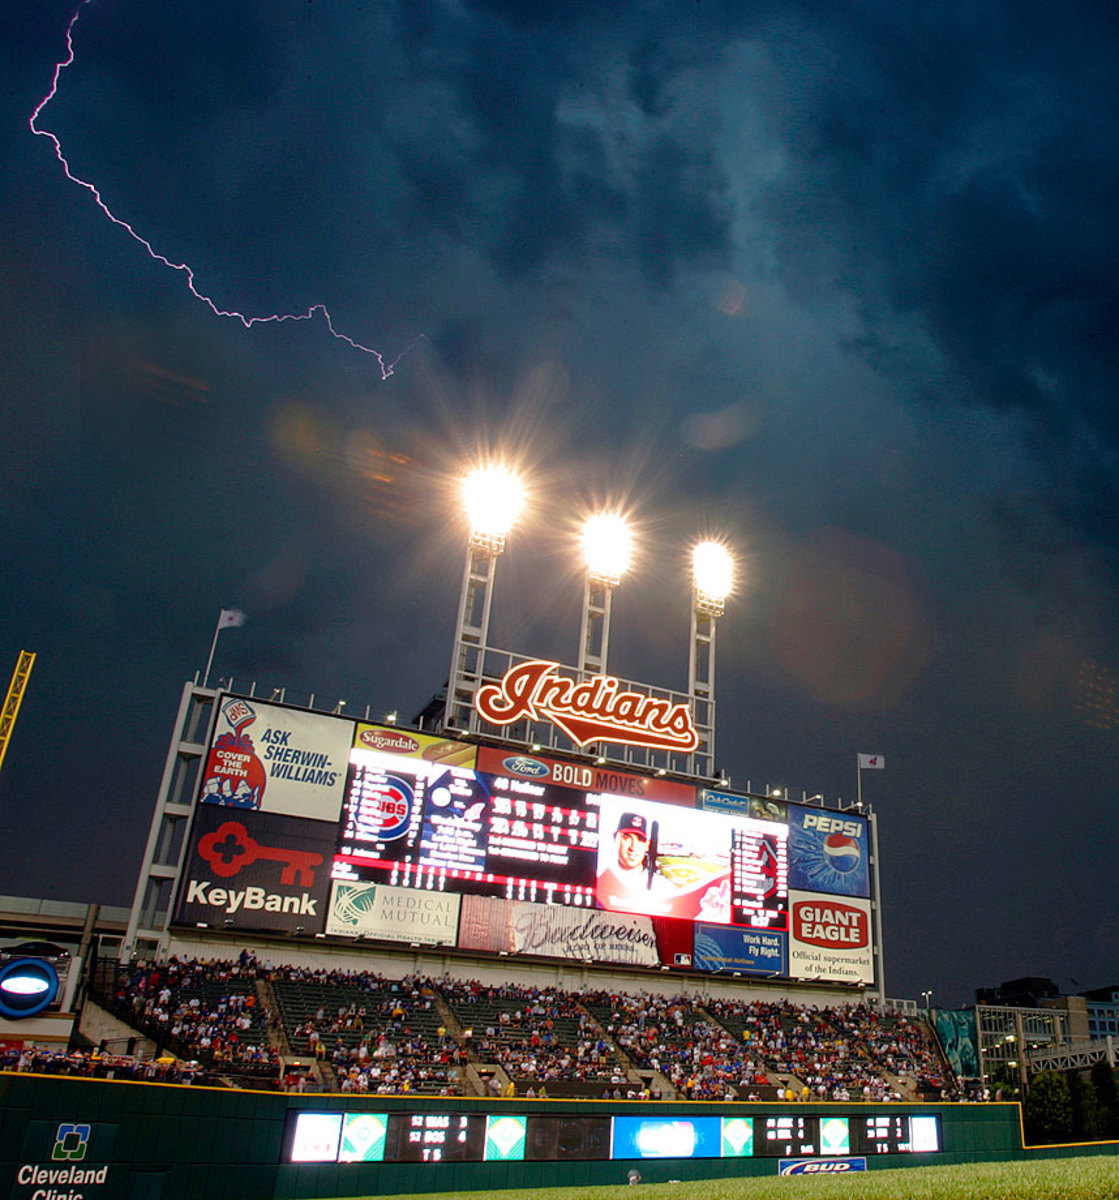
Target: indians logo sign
(593, 711)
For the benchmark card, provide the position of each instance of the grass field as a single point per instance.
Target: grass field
(1088, 1178)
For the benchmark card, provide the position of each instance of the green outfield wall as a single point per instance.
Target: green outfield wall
(67, 1138)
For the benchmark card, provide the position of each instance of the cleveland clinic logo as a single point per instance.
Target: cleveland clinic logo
(70, 1143)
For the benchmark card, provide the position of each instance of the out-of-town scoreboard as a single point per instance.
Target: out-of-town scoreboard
(845, 1140)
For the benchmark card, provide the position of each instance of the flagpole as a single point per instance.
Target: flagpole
(859, 773)
(213, 647)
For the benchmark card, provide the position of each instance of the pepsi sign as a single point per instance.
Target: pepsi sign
(828, 852)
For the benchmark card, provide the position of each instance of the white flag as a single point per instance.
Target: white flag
(231, 618)
(871, 762)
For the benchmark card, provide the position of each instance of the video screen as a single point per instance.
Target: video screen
(563, 1139)
(412, 823)
(435, 1137)
(666, 1137)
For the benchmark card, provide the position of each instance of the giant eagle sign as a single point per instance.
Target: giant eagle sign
(592, 711)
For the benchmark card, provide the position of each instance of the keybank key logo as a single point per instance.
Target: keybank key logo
(70, 1143)
(230, 847)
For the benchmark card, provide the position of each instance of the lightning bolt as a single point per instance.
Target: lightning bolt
(187, 271)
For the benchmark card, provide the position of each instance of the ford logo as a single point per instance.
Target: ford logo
(519, 764)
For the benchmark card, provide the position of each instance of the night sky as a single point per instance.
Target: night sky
(838, 282)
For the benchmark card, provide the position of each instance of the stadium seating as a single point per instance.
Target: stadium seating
(363, 1032)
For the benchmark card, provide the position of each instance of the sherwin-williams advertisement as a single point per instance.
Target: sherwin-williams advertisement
(277, 760)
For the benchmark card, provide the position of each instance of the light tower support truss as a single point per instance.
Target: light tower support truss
(594, 635)
(701, 684)
(472, 632)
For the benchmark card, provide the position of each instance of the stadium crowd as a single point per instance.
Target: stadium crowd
(98, 1065)
(201, 1011)
(370, 1034)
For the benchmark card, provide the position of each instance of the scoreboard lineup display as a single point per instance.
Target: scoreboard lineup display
(336, 839)
(432, 1137)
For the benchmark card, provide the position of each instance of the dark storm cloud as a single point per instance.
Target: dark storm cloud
(959, 165)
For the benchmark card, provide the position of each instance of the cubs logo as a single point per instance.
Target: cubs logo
(386, 808)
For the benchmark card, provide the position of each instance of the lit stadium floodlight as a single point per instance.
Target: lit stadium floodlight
(713, 576)
(494, 497)
(607, 547)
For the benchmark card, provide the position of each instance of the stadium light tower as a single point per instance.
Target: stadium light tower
(712, 581)
(493, 497)
(607, 551)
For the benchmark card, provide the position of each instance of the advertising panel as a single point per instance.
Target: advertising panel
(700, 866)
(830, 938)
(749, 951)
(765, 808)
(828, 852)
(256, 870)
(567, 1138)
(363, 1137)
(276, 760)
(514, 927)
(959, 1035)
(405, 743)
(396, 914)
(586, 777)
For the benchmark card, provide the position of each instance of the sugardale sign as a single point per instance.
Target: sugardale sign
(596, 710)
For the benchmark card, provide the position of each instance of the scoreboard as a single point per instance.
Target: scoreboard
(433, 1137)
(409, 823)
(412, 824)
(311, 824)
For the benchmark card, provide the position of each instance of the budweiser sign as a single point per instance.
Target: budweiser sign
(593, 711)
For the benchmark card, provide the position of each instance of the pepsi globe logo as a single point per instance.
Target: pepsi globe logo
(842, 853)
(388, 809)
